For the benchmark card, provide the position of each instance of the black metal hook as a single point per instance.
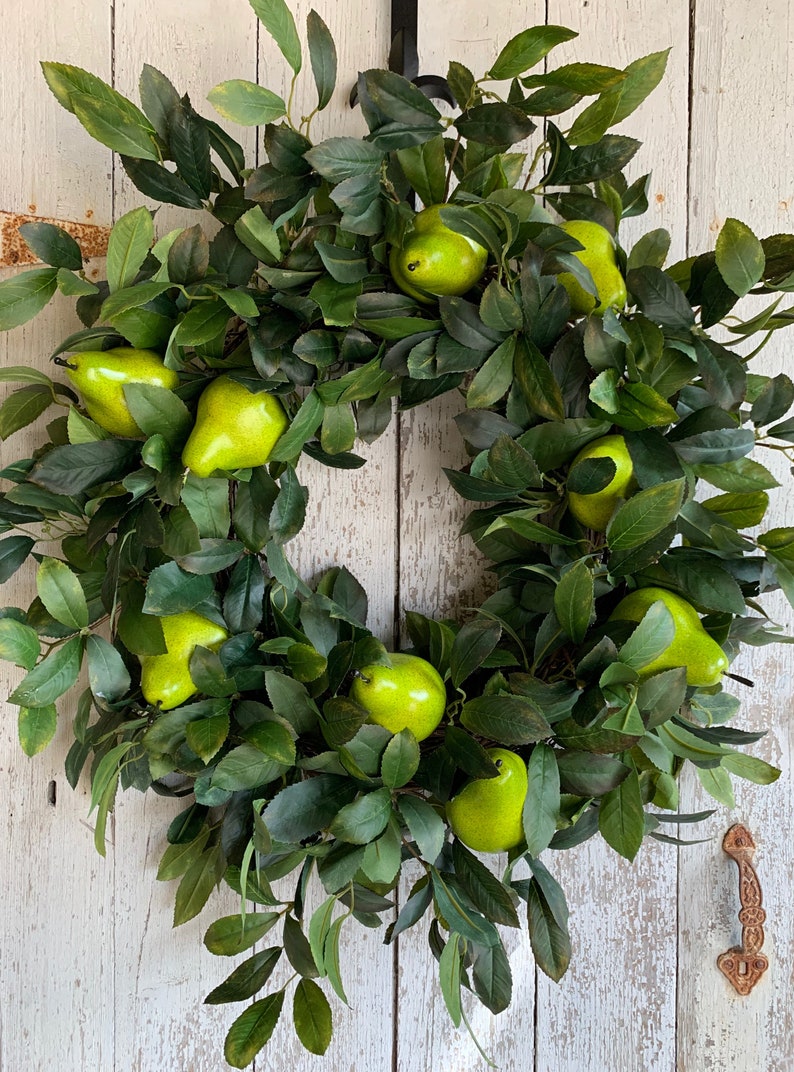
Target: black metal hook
(404, 55)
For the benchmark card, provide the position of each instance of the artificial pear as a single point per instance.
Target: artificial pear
(595, 510)
(435, 260)
(598, 256)
(692, 647)
(409, 694)
(235, 428)
(165, 679)
(101, 375)
(487, 814)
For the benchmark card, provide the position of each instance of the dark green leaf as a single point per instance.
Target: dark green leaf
(52, 677)
(197, 884)
(510, 720)
(621, 818)
(364, 819)
(24, 296)
(312, 1016)
(548, 936)
(542, 802)
(306, 807)
(230, 935)
(153, 180)
(247, 979)
(13, 552)
(19, 644)
(527, 49)
(72, 469)
(645, 515)
(400, 759)
(253, 1028)
(740, 256)
(457, 915)
(586, 774)
(574, 600)
(473, 644)
(170, 590)
(425, 826)
(483, 888)
(52, 245)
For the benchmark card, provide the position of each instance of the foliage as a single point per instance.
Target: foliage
(292, 295)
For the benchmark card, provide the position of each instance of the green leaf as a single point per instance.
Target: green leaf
(322, 54)
(22, 407)
(52, 677)
(527, 49)
(510, 720)
(116, 123)
(483, 888)
(645, 515)
(128, 246)
(205, 736)
(653, 635)
(207, 502)
(253, 1028)
(258, 234)
(399, 99)
(52, 245)
(306, 807)
(212, 556)
(473, 644)
(425, 826)
(290, 699)
(170, 590)
(202, 324)
(24, 296)
(73, 285)
(424, 167)
(542, 802)
(178, 857)
(548, 931)
(574, 600)
(303, 426)
(277, 19)
(621, 819)
(74, 469)
(717, 783)
(740, 256)
(155, 181)
(449, 970)
(456, 913)
(230, 935)
(197, 884)
(107, 675)
(332, 957)
(36, 728)
(311, 1014)
(337, 159)
(19, 644)
(492, 978)
(400, 759)
(245, 767)
(61, 593)
(364, 819)
(246, 979)
(13, 552)
(750, 767)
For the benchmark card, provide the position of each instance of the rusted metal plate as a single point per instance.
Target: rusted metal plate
(91, 237)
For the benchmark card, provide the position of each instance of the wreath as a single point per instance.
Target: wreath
(609, 435)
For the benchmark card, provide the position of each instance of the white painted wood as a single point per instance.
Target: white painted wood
(741, 166)
(56, 922)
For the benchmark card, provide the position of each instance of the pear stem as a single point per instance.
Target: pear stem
(361, 677)
(742, 680)
(63, 362)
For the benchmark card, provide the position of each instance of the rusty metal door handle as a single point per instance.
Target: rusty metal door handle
(744, 965)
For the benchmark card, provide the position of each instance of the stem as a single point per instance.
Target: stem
(452, 158)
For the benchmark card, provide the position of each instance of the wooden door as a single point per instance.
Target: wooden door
(91, 974)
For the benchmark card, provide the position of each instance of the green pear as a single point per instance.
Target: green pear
(165, 679)
(692, 646)
(487, 814)
(100, 377)
(594, 510)
(434, 260)
(235, 428)
(409, 694)
(598, 256)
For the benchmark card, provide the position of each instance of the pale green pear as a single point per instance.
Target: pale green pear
(595, 510)
(409, 694)
(435, 260)
(165, 679)
(598, 256)
(692, 646)
(100, 377)
(235, 428)
(487, 814)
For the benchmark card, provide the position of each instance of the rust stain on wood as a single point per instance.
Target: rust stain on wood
(91, 237)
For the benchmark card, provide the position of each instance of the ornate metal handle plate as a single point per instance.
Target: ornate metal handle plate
(744, 965)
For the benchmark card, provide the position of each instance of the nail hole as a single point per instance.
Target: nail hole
(52, 793)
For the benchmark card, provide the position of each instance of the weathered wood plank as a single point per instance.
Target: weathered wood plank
(741, 166)
(623, 916)
(56, 967)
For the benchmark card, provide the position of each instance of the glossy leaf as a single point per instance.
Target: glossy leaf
(252, 1030)
(542, 802)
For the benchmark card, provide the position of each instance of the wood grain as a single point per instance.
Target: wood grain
(741, 166)
(57, 973)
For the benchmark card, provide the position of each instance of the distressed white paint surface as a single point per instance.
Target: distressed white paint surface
(91, 974)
